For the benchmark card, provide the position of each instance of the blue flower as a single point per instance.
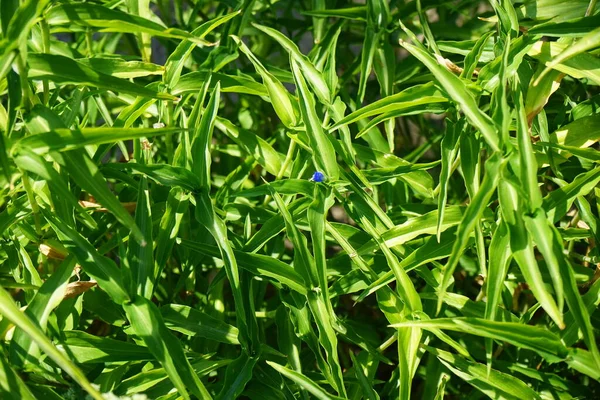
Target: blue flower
(318, 176)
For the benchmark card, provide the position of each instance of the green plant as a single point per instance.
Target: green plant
(299, 199)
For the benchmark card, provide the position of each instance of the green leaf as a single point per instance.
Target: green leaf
(458, 92)
(580, 66)
(583, 361)
(62, 139)
(430, 251)
(16, 211)
(284, 186)
(581, 133)
(557, 203)
(113, 20)
(161, 173)
(170, 223)
(358, 13)
(574, 27)
(317, 218)
(550, 245)
(61, 69)
(365, 384)
(11, 385)
(541, 233)
(500, 256)
(238, 374)
(139, 253)
(101, 268)
(587, 42)
(155, 381)
(177, 59)
(278, 95)
(192, 322)
(254, 145)
(11, 312)
(418, 95)
(420, 225)
(420, 181)
(493, 167)
(119, 68)
(47, 298)
(309, 71)
(494, 383)
(192, 83)
(449, 149)
(435, 106)
(305, 263)
(148, 324)
(304, 382)
(474, 55)
(32, 162)
(540, 340)
(257, 264)
(555, 10)
(17, 21)
(205, 214)
(323, 151)
(522, 249)
(370, 43)
(90, 349)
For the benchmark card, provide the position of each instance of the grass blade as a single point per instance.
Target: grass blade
(301, 380)
(545, 343)
(310, 73)
(457, 92)
(278, 94)
(140, 252)
(323, 152)
(148, 324)
(472, 215)
(13, 314)
(61, 69)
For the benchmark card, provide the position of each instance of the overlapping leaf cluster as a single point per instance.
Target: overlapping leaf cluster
(160, 233)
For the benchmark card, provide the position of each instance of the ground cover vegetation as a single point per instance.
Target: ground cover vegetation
(323, 199)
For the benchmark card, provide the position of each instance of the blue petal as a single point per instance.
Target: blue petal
(318, 176)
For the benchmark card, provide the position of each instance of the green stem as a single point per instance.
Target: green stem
(31, 98)
(591, 8)
(168, 115)
(89, 42)
(34, 205)
(288, 159)
(46, 49)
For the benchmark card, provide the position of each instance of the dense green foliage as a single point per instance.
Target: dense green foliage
(299, 199)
